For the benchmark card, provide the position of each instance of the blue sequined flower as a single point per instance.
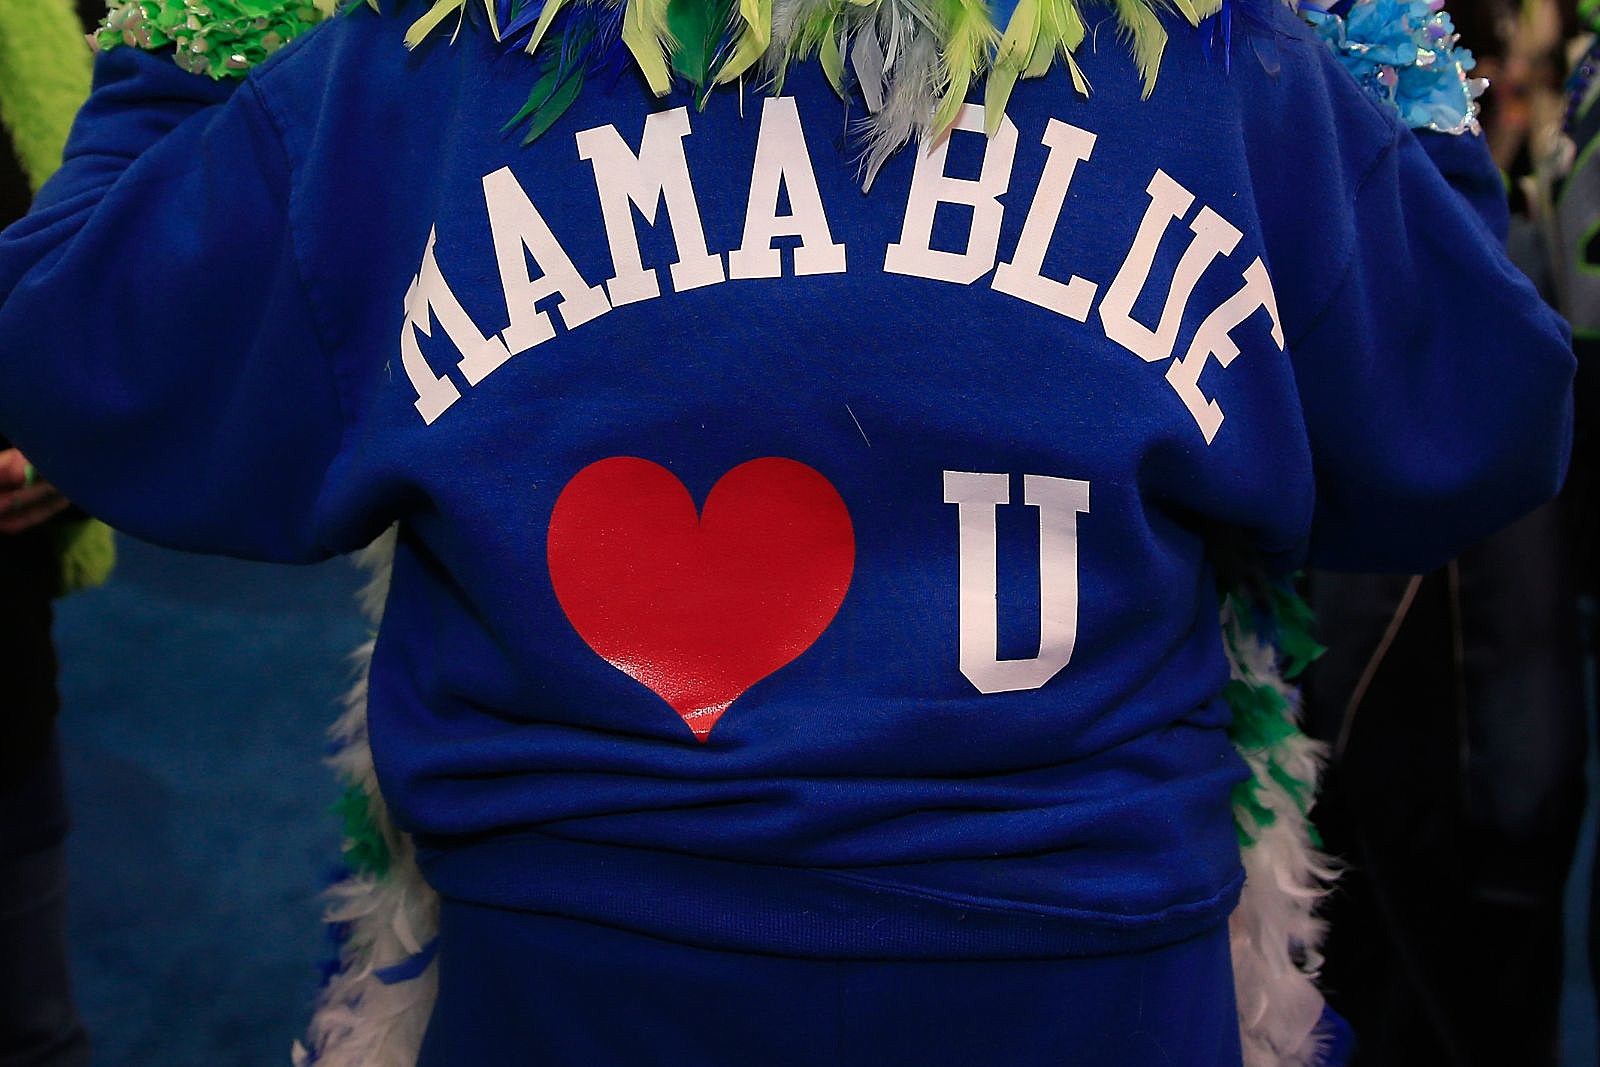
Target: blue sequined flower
(1404, 53)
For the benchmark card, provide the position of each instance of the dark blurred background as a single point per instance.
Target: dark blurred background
(196, 693)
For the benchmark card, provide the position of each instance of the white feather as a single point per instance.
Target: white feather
(907, 110)
(867, 60)
(895, 50)
(360, 1020)
(787, 18)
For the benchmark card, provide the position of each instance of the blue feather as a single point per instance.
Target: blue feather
(1251, 22)
(609, 57)
(577, 40)
(517, 19)
(411, 966)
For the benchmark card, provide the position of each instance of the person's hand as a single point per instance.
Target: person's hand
(26, 500)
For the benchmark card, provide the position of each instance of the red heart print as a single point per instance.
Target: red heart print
(700, 607)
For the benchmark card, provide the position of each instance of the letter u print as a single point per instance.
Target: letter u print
(1060, 501)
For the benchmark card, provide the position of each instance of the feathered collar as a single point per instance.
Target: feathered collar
(913, 62)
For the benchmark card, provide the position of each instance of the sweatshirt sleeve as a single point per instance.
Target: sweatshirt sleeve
(1435, 383)
(158, 357)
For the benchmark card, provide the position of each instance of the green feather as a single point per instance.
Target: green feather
(1021, 35)
(1014, 55)
(1187, 9)
(555, 105)
(1039, 31)
(1061, 31)
(646, 34)
(549, 99)
(819, 26)
(365, 849)
(1246, 802)
(441, 10)
(1044, 53)
(698, 27)
(831, 56)
(542, 27)
(1295, 625)
(753, 41)
(1260, 712)
(1263, 723)
(1146, 37)
(818, 34)
(1079, 82)
(996, 93)
(969, 35)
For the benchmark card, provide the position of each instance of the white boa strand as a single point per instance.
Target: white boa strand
(1275, 932)
(893, 49)
(361, 1020)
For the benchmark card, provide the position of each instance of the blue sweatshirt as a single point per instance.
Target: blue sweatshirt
(784, 567)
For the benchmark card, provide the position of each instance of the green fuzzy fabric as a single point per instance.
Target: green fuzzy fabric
(86, 552)
(44, 77)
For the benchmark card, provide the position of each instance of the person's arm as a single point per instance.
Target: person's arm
(159, 358)
(1463, 160)
(1436, 383)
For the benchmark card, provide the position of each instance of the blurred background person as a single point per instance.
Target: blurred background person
(46, 548)
(1454, 702)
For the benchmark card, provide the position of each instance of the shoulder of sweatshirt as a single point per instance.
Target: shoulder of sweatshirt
(1295, 89)
(354, 57)
(1312, 138)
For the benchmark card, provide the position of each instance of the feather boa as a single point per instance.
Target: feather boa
(374, 1009)
(913, 62)
(1274, 931)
